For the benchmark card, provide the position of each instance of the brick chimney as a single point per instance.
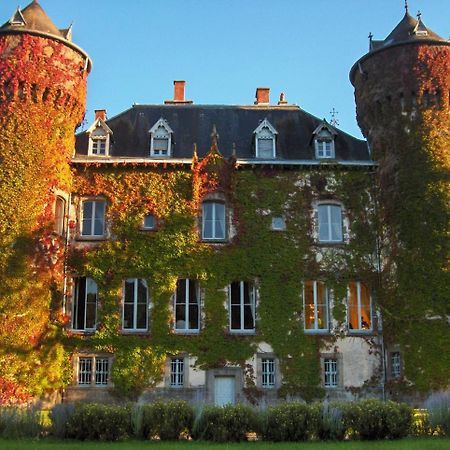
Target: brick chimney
(100, 114)
(262, 96)
(178, 93)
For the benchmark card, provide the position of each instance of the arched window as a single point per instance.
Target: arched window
(213, 221)
(60, 212)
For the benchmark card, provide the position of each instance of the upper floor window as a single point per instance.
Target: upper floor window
(395, 365)
(84, 305)
(93, 370)
(330, 222)
(213, 221)
(242, 306)
(324, 136)
(187, 306)
(135, 305)
(93, 218)
(99, 138)
(315, 296)
(265, 140)
(160, 139)
(359, 307)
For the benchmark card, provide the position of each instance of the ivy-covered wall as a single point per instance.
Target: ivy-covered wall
(404, 112)
(277, 261)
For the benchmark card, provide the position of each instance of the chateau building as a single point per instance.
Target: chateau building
(220, 253)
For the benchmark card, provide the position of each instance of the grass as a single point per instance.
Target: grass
(53, 444)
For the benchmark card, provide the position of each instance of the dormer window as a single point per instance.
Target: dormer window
(324, 137)
(99, 137)
(265, 140)
(160, 139)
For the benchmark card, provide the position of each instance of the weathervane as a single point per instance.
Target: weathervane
(419, 15)
(334, 120)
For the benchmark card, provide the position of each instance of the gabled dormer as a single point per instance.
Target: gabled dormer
(161, 139)
(265, 140)
(324, 137)
(99, 135)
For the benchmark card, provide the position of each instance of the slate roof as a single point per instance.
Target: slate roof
(235, 126)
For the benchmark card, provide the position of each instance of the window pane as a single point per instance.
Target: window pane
(322, 310)
(160, 146)
(365, 308)
(309, 304)
(99, 208)
(336, 223)
(91, 302)
(141, 291)
(86, 229)
(235, 317)
(79, 306)
(235, 293)
(180, 317)
(149, 221)
(193, 291)
(141, 316)
(323, 223)
(353, 307)
(248, 318)
(193, 317)
(265, 148)
(128, 316)
(84, 371)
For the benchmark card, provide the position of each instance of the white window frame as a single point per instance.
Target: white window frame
(324, 140)
(176, 372)
(268, 373)
(135, 304)
(186, 329)
(317, 328)
(76, 305)
(96, 138)
(328, 238)
(214, 236)
(155, 133)
(360, 329)
(265, 131)
(91, 232)
(98, 373)
(330, 372)
(252, 298)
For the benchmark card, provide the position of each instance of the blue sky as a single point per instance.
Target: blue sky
(225, 49)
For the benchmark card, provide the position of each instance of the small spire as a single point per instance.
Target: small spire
(370, 37)
(214, 136)
(419, 15)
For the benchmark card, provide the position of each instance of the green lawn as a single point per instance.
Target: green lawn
(405, 444)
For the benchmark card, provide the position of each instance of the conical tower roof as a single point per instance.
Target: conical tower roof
(33, 20)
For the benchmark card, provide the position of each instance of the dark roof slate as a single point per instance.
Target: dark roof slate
(235, 126)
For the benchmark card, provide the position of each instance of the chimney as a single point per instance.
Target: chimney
(282, 100)
(100, 114)
(262, 96)
(178, 94)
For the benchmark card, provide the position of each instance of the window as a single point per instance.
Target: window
(395, 363)
(99, 138)
(278, 223)
(160, 139)
(187, 308)
(330, 372)
(268, 372)
(93, 218)
(135, 305)
(315, 296)
(60, 211)
(359, 307)
(265, 140)
(93, 371)
(324, 136)
(84, 307)
(330, 223)
(176, 372)
(149, 222)
(213, 221)
(242, 306)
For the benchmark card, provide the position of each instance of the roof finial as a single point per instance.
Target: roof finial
(370, 36)
(419, 15)
(406, 6)
(214, 136)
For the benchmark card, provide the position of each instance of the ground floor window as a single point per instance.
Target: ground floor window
(93, 371)
(268, 372)
(396, 367)
(176, 372)
(330, 372)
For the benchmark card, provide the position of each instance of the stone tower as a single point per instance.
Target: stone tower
(42, 100)
(402, 97)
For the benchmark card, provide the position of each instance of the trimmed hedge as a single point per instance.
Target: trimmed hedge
(167, 421)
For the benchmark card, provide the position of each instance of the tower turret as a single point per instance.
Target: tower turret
(43, 78)
(402, 90)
